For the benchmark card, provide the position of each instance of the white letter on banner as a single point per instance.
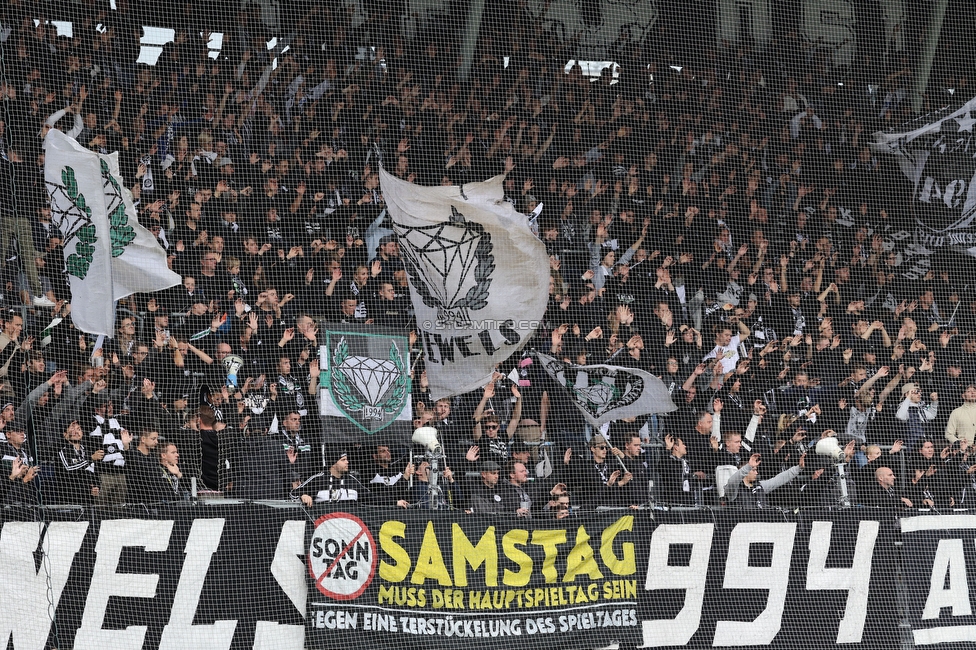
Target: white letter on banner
(26, 604)
(288, 569)
(949, 558)
(775, 578)
(113, 536)
(854, 581)
(180, 632)
(691, 578)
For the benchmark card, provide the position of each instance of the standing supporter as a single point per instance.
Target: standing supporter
(387, 479)
(746, 490)
(519, 498)
(420, 495)
(334, 484)
(75, 471)
(486, 495)
(962, 420)
(107, 433)
(10, 345)
(678, 483)
(636, 491)
(882, 492)
(170, 475)
(595, 480)
(142, 468)
(18, 466)
(916, 414)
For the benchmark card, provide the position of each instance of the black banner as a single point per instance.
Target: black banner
(765, 580)
(934, 154)
(251, 576)
(172, 577)
(940, 576)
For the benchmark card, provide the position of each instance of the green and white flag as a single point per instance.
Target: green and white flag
(78, 209)
(365, 376)
(138, 261)
(107, 254)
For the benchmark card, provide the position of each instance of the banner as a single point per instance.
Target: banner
(382, 579)
(768, 579)
(479, 278)
(344, 576)
(365, 376)
(936, 158)
(940, 579)
(108, 255)
(604, 393)
(173, 577)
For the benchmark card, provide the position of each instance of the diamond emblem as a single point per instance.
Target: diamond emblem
(450, 265)
(444, 255)
(371, 377)
(599, 394)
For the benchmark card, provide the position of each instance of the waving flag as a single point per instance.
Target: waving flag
(479, 278)
(107, 254)
(365, 378)
(603, 393)
(935, 154)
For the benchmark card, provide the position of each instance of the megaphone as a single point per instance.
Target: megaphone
(829, 447)
(427, 437)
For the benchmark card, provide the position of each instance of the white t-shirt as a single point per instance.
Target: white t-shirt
(729, 354)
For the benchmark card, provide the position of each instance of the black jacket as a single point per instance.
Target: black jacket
(75, 474)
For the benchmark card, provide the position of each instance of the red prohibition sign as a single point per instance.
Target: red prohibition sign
(357, 523)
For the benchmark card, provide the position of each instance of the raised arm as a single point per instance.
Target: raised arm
(882, 372)
(516, 413)
(203, 356)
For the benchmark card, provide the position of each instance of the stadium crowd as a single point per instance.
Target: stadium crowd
(720, 226)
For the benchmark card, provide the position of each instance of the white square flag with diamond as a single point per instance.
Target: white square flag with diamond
(603, 393)
(365, 377)
(479, 277)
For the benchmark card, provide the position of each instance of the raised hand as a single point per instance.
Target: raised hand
(18, 469)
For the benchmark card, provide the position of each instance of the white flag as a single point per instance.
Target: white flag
(604, 393)
(935, 155)
(108, 255)
(138, 261)
(479, 278)
(78, 210)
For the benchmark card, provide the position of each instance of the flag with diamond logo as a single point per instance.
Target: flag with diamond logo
(603, 393)
(479, 277)
(365, 376)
